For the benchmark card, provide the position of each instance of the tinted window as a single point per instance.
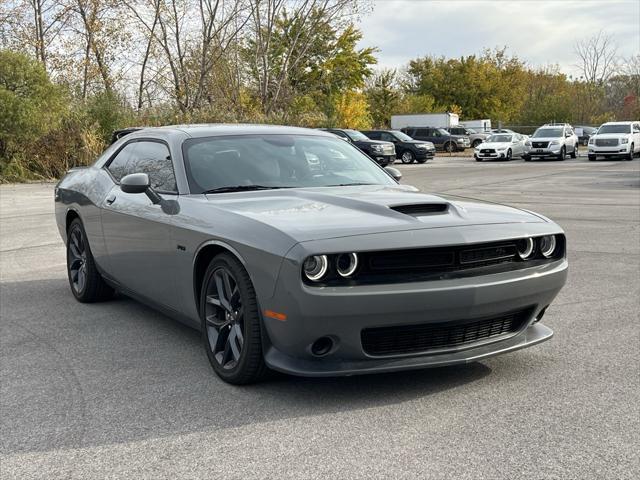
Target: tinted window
(373, 135)
(118, 166)
(422, 132)
(386, 137)
(277, 161)
(154, 159)
(613, 128)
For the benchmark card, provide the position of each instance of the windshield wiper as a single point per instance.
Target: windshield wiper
(240, 188)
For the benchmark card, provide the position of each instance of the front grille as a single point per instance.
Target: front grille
(407, 339)
(487, 150)
(388, 149)
(606, 142)
(539, 144)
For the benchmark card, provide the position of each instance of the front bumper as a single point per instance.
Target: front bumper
(543, 152)
(609, 151)
(424, 154)
(341, 313)
(490, 156)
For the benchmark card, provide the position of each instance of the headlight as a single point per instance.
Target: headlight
(423, 146)
(347, 264)
(527, 143)
(623, 141)
(548, 245)
(592, 141)
(554, 142)
(525, 248)
(315, 267)
(377, 148)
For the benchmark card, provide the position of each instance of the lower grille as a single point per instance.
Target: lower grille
(606, 142)
(409, 339)
(487, 150)
(539, 144)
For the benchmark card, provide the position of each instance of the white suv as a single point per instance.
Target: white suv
(615, 139)
(553, 140)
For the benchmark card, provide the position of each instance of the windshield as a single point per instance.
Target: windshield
(498, 139)
(276, 161)
(356, 136)
(403, 137)
(614, 129)
(548, 133)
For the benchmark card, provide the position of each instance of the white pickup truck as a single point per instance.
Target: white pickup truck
(615, 139)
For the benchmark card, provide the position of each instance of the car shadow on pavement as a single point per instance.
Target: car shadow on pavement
(78, 375)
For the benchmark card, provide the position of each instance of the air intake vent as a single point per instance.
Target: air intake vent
(420, 209)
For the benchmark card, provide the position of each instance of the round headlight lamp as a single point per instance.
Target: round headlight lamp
(315, 267)
(347, 264)
(547, 245)
(525, 248)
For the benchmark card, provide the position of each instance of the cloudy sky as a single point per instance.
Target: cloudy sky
(541, 32)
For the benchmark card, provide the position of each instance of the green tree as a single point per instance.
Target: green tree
(30, 105)
(383, 97)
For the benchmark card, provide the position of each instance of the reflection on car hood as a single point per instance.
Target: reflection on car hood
(495, 145)
(328, 212)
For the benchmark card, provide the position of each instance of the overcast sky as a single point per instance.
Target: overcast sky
(540, 32)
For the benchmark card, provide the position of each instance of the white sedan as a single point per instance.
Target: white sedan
(502, 146)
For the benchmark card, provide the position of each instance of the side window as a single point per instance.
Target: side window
(386, 137)
(373, 135)
(636, 128)
(422, 132)
(436, 133)
(154, 159)
(118, 166)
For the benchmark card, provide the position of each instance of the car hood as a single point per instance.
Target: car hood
(329, 212)
(544, 139)
(494, 145)
(607, 136)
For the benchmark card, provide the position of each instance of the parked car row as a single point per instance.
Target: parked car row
(550, 141)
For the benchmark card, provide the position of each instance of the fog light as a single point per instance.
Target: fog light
(315, 267)
(525, 248)
(347, 264)
(547, 245)
(322, 346)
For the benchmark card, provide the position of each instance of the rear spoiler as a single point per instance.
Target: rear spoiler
(118, 134)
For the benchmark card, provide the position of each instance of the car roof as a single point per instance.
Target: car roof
(221, 129)
(620, 123)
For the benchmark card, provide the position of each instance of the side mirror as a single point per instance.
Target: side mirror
(139, 183)
(394, 172)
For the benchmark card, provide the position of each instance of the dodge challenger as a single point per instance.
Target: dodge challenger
(289, 249)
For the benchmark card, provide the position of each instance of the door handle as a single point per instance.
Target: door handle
(111, 199)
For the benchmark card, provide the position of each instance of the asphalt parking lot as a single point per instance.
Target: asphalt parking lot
(117, 390)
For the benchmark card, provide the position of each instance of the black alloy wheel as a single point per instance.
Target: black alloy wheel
(231, 323)
(86, 283)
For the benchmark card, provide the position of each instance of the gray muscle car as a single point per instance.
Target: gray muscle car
(291, 250)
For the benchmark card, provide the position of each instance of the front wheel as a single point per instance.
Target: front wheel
(86, 283)
(592, 158)
(526, 158)
(407, 157)
(631, 152)
(231, 324)
(574, 154)
(449, 147)
(509, 155)
(563, 153)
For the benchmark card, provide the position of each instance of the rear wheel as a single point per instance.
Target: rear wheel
(231, 324)
(407, 157)
(86, 283)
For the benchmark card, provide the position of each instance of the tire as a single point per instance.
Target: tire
(592, 158)
(449, 147)
(631, 153)
(526, 158)
(476, 143)
(509, 155)
(563, 153)
(231, 322)
(407, 156)
(86, 283)
(478, 159)
(574, 154)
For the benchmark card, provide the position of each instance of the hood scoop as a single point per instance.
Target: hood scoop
(421, 209)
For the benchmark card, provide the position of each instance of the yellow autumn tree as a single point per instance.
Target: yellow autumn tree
(351, 110)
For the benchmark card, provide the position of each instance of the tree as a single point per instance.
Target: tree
(352, 111)
(597, 57)
(383, 97)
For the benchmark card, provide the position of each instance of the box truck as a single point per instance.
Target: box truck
(442, 120)
(483, 125)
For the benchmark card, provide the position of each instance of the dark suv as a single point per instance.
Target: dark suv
(383, 153)
(442, 139)
(407, 149)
